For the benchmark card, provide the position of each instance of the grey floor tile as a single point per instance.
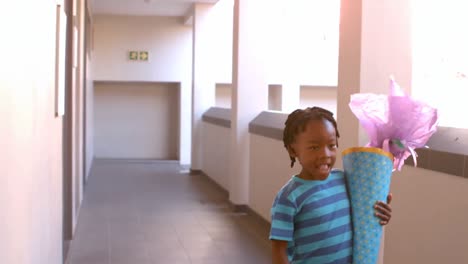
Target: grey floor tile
(168, 255)
(151, 213)
(96, 255)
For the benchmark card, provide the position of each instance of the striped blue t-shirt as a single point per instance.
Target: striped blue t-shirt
(314, 217)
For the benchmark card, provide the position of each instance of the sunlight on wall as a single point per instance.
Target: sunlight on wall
(300, 46)
(223, 94)
(440, 58)
(316, 33)
(221, 50)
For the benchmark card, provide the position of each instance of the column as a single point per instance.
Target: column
(290, 95)
(185, 124)
(375, 42)
(203, 90)
(250, 89)
(289, 36)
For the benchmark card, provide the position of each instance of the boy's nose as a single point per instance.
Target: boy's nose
(326, 152)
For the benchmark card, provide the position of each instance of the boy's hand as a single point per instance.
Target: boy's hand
(384, 210)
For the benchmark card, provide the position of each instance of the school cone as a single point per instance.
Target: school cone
(368, 173)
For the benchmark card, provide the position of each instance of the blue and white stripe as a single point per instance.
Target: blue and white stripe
(314, 217)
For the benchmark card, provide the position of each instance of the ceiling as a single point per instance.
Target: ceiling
(144, 7)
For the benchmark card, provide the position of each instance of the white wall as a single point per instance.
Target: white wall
(220, 43)
(429, 212)
(269, 171)
(223, 95)
(89, 100)
(310, 95)
(275, 97)
(323, 96)
(216, 153)
(89, 122)
(136, 120)
(302, 35)
(169, 43)
(31, 136)
(429, 221)
(212, 63)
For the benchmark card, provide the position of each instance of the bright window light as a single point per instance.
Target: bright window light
(316, 29)
(440, 58)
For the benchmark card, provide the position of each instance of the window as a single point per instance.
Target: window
(440, 58)
(315, 39)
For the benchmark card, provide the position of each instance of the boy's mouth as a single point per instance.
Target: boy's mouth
(324, 167)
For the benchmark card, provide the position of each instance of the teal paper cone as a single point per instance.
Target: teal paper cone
(368, 172)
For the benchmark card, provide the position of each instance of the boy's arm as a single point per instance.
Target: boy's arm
(278, 252)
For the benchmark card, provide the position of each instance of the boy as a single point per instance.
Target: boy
(311, 221)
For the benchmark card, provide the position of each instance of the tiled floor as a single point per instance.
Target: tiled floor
(139, 212)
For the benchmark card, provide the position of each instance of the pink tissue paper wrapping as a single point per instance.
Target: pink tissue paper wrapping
(396, 122)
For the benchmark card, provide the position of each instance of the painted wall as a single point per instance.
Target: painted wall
(275, 97)
(79, 123)
(136, 121)
(314, 33)
(31, 136)
(219, 25)
(223, 95)
(212, 63)
(216, 153)
(169, 44)
(167, 40)
(303, 36)
(89, 91)
(429, 218)
(269, 171)
(89, 122)
(429, 212)
(310, 95)
(323, 96)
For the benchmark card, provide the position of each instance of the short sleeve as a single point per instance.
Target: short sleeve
(282, 218)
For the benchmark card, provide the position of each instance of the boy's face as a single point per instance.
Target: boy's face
(315, 148)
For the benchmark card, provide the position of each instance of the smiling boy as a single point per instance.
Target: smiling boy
(311, 219)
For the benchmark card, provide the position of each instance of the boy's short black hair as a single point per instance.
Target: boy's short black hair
(297, 121)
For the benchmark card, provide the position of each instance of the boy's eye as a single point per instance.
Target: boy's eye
(333, 146)
(314, 147)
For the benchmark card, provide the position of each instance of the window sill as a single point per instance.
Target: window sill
(447, 152)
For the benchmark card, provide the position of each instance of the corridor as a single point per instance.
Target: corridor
(139, 212)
